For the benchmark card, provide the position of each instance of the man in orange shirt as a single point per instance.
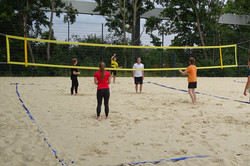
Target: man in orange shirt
(191, 71)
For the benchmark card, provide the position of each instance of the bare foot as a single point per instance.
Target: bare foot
(97, 118)
(76, 94)
(106, 117)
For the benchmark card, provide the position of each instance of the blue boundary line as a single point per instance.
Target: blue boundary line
(224, 98)
(39, 128)
(174, 159)
(161, 160)
(243, 82)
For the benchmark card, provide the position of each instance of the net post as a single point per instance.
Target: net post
(236, 62)
(221, 62)
(8, 49)
(25, 52)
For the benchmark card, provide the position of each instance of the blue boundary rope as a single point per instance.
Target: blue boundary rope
(161, 160)
(243, 82)
(39, 128)
(224, 98)
(174, 159)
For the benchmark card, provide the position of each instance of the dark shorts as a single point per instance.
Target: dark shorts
(138, 80)
(192, 85)
(113, 72)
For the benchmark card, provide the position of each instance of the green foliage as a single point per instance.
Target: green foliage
(113, 12)
(237, 7)
(182, 21)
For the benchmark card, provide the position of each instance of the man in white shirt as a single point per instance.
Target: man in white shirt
(138, 74)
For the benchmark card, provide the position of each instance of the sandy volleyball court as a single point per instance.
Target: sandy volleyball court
(161, 123)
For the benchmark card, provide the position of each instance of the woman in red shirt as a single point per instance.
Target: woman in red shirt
(102, 79)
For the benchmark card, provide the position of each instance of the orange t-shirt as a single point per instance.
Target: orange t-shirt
(192, 73)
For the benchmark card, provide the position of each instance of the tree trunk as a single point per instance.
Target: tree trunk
(133, 30)
(199, 28)
(123, 12)
(50, 29)
(31, 52)
(26, 32)
(200, 34)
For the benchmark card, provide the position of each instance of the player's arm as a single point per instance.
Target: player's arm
(247, 85)
(95, 81)
(113, 56)
(109, 79)
(183, 72)
(133, 71)
(76, 73)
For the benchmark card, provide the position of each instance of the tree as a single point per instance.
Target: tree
(191, 21)
(29, 16)
(118, 13)
(237, 7)
(59, 6)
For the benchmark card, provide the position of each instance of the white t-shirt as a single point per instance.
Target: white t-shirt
(138, 73)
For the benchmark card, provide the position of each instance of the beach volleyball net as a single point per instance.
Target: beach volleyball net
(35, 52)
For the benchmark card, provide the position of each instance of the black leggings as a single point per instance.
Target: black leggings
(102, 93)
(74, 85)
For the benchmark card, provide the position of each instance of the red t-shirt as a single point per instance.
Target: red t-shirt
(102, 84)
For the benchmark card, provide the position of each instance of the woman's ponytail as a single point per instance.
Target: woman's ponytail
(102, 69)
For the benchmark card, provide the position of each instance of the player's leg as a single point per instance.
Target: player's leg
(72, 86)
(140, 88)
(193, 91)
(76, 86)
(141, 82)
(191, 94)
(194, 94)
(114, 76)
(99, 96)
(249, 93)
(136, 88)
(106, 101)
(136, 84)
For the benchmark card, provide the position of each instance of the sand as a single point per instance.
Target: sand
(160, 123)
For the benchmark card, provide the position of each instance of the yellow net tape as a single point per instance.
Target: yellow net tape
(117, 46)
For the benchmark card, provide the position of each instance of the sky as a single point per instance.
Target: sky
(92, 24)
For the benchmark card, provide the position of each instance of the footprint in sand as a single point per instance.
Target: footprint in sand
(137, 121)
(120, 136)
(240, 106)
(184, 133)
(96, 151)
(138, 143)
(181, 152)
(105, 143)
(156, 145)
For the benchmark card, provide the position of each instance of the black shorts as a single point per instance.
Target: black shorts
(113, 72)
(138, 80)
(192, 85)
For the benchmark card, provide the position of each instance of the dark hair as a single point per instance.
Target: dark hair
(138, 57)
(73, 61)
(102, 69)
(248, 59)
(191, 60)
